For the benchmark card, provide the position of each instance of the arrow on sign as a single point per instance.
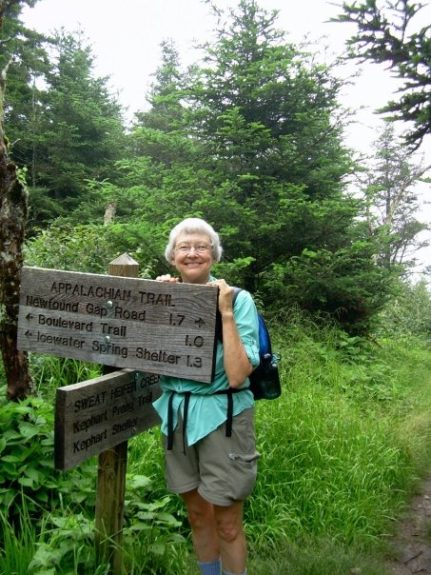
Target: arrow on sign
(200, 322)
(29, 316)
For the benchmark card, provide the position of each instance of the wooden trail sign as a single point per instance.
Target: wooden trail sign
(95, 415)
(121, 321)
(125, 322)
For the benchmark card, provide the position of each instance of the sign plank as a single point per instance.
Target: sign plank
(95, 415)
(150, 326)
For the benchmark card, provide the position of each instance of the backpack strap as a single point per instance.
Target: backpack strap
(228, 392)
(229, 421)
(170, 422)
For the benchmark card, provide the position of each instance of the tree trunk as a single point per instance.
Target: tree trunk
(13, 217)
(110, 211)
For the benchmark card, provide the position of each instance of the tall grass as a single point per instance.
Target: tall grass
(343, 448)
(50, 372)
(341, 452)
(18, 545)
(327, 469)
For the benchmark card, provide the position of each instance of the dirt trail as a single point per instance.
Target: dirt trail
(412, 543)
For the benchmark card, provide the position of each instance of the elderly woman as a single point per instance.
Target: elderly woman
(213, 467)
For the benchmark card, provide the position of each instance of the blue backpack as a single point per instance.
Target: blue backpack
(265, 379)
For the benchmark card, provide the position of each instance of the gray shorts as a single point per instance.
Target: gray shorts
(222, 469)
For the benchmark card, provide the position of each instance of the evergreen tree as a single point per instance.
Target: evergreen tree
(81, 124)
(63, 124)
(24, 52)
(161, 132)
(166, 111)
(392, 202)
(385, 36)
(409, 313)
(265, 164)
(265, 107)
(163, 174)
(267, 115)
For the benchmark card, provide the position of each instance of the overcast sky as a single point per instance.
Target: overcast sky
(126, 36)
(126, 39)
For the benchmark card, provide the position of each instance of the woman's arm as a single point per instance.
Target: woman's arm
(236, 363)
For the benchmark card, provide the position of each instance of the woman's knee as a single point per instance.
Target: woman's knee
(200, 512)
(228, 532)
(229, 524)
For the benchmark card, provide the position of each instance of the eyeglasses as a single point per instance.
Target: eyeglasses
(187, 248)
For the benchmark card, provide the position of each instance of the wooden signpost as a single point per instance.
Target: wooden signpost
(95, 415)
(123, 322)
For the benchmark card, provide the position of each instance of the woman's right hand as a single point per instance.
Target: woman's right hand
(167, 278)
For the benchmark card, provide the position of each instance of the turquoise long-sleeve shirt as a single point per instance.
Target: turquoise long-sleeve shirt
(207, 411)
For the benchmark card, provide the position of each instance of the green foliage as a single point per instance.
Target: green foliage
(27, 474)
(341, 452)
(151, 531)
(249, 157)
(391, 201)
(64, 246)
(81, 123)
(388, 33)
(42, 208)
(64, 132)
(167, 113)
(250, 140)
(344, 285)
(90, 248)
(23, 60)
(26, 450)
(18, 544)
(67, 545)
(342, 447)
(321, 557)
(31, 490)
(62, 544)
(408, 313)
(331, 460)
(50, 372)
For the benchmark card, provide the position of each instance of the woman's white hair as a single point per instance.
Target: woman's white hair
(194, 226)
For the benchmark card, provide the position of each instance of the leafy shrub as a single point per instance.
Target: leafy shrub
(152, 530)
(26, 451)
(408, 313)
(345, 286)
(66, 546)
(91, 247)
(27, 470)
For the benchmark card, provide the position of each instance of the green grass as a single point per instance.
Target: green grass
(341, 453)
(18, 545)
(50, 372)
(315, 557)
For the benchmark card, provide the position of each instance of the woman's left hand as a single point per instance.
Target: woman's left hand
(225, 296)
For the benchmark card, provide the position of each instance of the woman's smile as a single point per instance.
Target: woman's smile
(193, 257)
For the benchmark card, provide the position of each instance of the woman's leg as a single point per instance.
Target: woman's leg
(203, 525)
(231, 536)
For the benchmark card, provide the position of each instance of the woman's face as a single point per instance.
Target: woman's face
(193, 257)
